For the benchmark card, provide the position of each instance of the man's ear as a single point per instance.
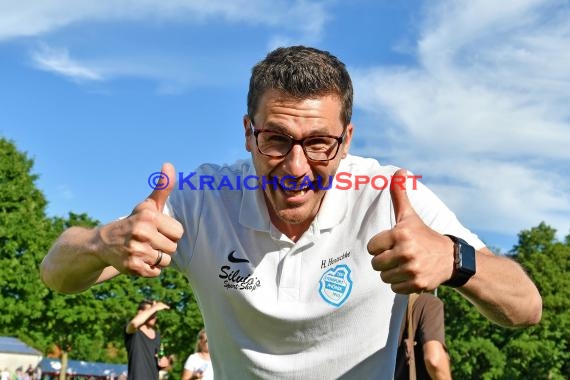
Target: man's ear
(247, 132)
(347, 140)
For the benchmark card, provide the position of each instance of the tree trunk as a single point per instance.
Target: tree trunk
(63, 370)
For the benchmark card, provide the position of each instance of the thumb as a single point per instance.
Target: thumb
(163, 182)
(400, 200)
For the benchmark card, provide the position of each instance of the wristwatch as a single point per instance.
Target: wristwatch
(463, 262)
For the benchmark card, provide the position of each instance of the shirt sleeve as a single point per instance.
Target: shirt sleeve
(191, 363)
(437, 215)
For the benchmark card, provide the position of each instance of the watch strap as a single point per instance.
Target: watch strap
(463, 262)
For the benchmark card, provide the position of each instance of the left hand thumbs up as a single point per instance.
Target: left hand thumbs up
(411, 256)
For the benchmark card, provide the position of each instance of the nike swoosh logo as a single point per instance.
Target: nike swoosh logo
(234, 259)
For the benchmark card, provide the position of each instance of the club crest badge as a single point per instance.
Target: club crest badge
(335, 285)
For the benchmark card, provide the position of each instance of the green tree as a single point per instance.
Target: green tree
(544, 351)
(480, 349)
(473, 341)
(87, 326)
(23, 239)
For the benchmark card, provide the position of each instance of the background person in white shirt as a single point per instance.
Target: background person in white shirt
(198, 364)
(5, 374)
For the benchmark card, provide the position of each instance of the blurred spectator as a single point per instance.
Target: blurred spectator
(424, 355)
(198, 365)
(142, 341)
(5, 374)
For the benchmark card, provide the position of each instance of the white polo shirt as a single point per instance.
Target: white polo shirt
(314, 309)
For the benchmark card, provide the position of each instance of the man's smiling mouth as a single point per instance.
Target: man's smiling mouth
(297, 188)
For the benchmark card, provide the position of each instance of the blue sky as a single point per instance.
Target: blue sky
(472, 95)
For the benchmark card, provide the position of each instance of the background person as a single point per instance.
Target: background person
(198, 364)
(430, 355)
(142, 341)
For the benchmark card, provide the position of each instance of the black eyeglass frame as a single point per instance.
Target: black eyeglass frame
(294, 141)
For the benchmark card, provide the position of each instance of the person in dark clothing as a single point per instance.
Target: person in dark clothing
(142, 342)
(430, 352)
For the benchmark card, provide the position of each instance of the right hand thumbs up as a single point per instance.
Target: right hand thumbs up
(164, 186)
(142, 243)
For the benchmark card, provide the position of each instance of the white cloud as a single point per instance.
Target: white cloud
(285, 20)
(172, 73)
(58, 61)
(36, 17)
(484, 115)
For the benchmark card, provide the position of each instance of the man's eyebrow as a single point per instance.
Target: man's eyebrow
(276, 127)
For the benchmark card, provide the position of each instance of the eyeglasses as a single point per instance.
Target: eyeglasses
(278, 145)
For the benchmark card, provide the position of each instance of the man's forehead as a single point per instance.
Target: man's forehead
(275, 106)
(274, 96)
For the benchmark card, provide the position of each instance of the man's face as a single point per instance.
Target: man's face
(151, 321)
(292, 211)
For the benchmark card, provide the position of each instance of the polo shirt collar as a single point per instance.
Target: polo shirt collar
(333, 209)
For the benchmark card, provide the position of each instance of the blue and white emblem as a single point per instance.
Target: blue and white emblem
(335, 285)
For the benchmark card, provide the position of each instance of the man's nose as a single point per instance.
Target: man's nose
(296, 162)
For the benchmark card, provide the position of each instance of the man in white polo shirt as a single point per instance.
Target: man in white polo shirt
(301, 257)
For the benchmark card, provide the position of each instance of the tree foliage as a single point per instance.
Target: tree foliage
(90, 325)
(482, 350)
(23, 237)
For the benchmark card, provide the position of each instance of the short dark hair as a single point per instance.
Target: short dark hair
(301, 72)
